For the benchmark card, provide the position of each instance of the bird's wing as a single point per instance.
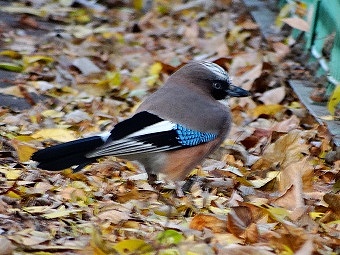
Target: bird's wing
(146, 132)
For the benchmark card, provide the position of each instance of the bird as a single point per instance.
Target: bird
(172, 131)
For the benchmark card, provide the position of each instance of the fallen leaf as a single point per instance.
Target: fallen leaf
(297, 23)
(114, 216)
(239, 219)
(258, 183)
(51, 113)
(131, 246)
(57, 134)
(169, 237)
(273, 96)
(237, 249)
(267, 110)
(86, 66)
(287, 125)
(6, 247)
(201, 221)
(334, 100)
(60, 213)
(11, 67)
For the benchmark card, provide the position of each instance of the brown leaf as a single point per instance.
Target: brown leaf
(287, 149)
(287, 125)
(28, 21)
(333, 201)
(289, 236)
(239, 219)
(299, 174)
(202, 221)
(291, 199)
(251, 233)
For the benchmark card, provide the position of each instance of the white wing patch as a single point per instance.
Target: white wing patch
(155, 128)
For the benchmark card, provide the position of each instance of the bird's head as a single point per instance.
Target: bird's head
(211, 78)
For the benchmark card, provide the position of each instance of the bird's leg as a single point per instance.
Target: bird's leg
(189, 182)
(152, 180)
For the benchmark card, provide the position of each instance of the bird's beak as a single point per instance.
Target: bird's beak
(235, 91)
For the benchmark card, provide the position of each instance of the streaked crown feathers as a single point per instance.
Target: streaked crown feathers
(216, 69)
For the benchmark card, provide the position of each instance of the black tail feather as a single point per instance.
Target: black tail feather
(68, 154)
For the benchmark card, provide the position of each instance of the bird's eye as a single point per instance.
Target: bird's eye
(217, 85)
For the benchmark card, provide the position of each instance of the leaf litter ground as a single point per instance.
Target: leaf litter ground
(272, 188)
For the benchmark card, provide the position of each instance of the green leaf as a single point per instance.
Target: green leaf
(11, 67)
(170, 236)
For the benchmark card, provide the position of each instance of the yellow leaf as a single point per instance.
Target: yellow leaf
(138, 4)
(68, 89)
(12, 194)
(261, 182)
(36, 209)
(10, 173)
(334, 99)
(133, 245)
(267, 110)
(27, 60)
(316, 215)
(57, 134)
(52, 114)
(277, 213)
(10, 53)
(113, 79)
(155, 69)
(295, 105)
(24, 150)
(284, 12)
(13, 174)
(24, 138)
(80, 15)
(60, 213)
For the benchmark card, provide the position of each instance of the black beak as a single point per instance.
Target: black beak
(235, 91)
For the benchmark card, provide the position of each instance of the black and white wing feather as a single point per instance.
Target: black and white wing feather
(145, 133)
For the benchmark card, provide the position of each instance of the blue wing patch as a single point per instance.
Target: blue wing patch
(189, 137)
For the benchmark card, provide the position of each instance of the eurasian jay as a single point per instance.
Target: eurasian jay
(172, 131)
